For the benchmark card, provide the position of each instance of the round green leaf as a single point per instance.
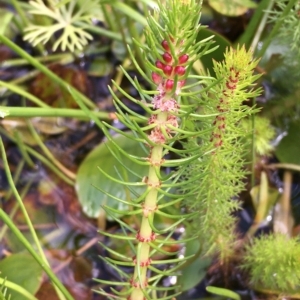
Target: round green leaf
(89, 177)
(22, 269)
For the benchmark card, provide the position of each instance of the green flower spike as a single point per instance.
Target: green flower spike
(223, 146)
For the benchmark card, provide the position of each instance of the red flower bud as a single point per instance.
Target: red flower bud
(165, 45)
(183, 58)
(169, 85)
(180, 70)
(157, 79)
(159, 65)
(168, 70)
(167, 57)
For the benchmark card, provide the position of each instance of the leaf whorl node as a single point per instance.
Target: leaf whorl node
(148, 210)
(137, 285)
(142, 263)
(157, 137)
(142, 239)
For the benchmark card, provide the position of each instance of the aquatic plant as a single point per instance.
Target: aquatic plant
(203, 115)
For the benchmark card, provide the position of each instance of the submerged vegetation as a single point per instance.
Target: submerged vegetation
(146, 156)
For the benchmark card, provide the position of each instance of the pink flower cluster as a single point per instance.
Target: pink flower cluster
(164, 100)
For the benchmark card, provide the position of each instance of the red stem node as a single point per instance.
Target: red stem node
(141, 239)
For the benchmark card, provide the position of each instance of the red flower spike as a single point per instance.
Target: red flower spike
(168, 70)
(157, 79)
(169, 85)
(165, 45)
(180, 70)
(183, 58)
(159, 65)
(167, 57)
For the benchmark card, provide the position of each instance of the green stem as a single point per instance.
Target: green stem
(135, 35)
(252, 31)
(18, 288)
(276, 28)
(146, 234)
(34, 254)
(253, 151)
(63, 58)
(45, 70)
(50, 166)
(16, 206)
(104, 32)
(42, 258)
(262, 23)
(20, 12)
(25, 21)
(43, 160)
(107, 12)
(21, 146)
(31, 112)
(26, 77)
(16, 89)
(49, 154)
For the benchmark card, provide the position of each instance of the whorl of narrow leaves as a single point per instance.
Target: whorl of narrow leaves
(171, 48)
(223, 149)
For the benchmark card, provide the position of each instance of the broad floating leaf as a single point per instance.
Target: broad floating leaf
(89, 178)
(15, 269)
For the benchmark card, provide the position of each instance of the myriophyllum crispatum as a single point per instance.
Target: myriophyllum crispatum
(173, 106)
(224, 147)
(170, 50)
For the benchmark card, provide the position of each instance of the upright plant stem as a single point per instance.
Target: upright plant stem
(146, 235)
(49, 154)
(276, 28)
(45, 70)
(61, 291)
